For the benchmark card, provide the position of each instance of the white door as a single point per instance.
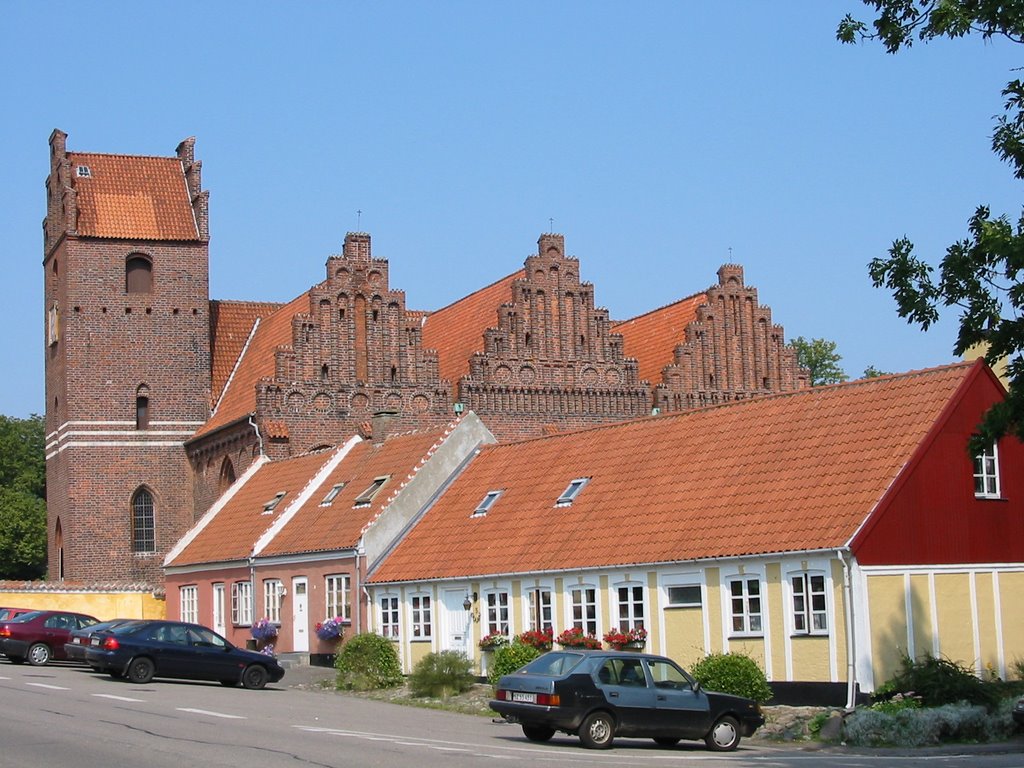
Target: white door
(219, 622)
(457, 633)
(300, 617)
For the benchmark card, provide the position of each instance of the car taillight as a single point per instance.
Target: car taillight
(111, 644)
(5, 632)
(501, 695)
(549, 699)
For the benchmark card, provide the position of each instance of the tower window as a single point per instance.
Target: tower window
(142, 412)
(143, 527)
(138, 275)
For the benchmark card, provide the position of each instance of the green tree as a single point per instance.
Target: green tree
(22, 498)
(873, 373)
(819, 356)
(981, 274)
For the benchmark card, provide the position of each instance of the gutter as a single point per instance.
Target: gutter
(851, 638)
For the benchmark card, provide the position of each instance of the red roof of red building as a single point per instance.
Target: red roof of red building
(799, 471)
(652, 337)
(130, 197)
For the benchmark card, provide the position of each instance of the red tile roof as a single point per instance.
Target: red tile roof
(457, 331)
(792, 472)
(652, 337)
(230, 532)
(339, 525)
(138, 198)
(257, 362)
(231, 324)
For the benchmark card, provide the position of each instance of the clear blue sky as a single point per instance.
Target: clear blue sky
(663, 138)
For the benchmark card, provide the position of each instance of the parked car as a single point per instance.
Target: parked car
(74, 648)
(143, 650)
(39, 636)
(598, 695)
(1018, 712)
(11, 613)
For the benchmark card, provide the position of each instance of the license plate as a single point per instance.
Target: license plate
(94, 641)
(529, 698)
(76, 641)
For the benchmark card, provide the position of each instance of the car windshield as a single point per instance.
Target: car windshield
(556, 663)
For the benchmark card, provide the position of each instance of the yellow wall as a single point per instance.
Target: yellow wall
(956, 627)
(713, 578)
(102, 605)
(684, 635)
(417, 651)
(989, 649)
(923, 621)
(888, 624)
(775, 621)
(752, 647)
(838, 619)
(810, 658)
(653, 622)
(1011, 607)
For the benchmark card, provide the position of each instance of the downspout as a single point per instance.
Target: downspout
(259, 437)
(357, 590)
(851, 639)
(252, 589)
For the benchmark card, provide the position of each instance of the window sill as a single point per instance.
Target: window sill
(794, 635)
(757, 636)
(978, 497)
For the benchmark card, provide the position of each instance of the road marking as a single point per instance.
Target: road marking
(51, 687)
(211, 714)
(117, 698)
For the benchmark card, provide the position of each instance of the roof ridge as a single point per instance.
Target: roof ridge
(73, 153)
(659, 309)
(474, 293)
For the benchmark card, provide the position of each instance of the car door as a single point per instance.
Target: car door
(210, 657)
(681, 709)
(57, 631)
(171, 651)
(626, 690)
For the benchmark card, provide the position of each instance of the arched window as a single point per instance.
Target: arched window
(138, 274)
(59, 545)
(227, 475)
(143, 523)
(141, 412)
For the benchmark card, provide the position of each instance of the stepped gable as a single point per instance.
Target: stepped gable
(798, 471)
(231, 324)
(653, 336)
(552, 357)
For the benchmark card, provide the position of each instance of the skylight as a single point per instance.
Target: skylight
(272, 504)
(488, 502)
(569, 494)
(84, 172)
(331, 495)
(364, 498)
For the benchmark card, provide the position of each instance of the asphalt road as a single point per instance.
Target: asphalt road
(64, 715)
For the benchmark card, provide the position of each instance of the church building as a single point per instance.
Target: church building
(158, 398)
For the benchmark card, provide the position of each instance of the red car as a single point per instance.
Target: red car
(6, 614)
(39, 636)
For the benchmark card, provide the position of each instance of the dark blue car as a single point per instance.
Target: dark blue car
(598, 695)
(142, 650)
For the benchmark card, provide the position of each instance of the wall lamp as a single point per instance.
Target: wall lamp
(470, 599)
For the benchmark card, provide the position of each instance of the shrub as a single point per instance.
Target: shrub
(441, 675)
(896, 703)
(937, 681)
(732, 673)
(509, 659)
(927, 727)
(367, 661)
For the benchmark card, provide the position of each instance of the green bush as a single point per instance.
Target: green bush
(928, 727)
(441, 675)
(937, 681)
(509, 659)
(732, 673)
(366, 662)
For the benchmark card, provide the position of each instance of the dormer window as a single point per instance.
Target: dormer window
(569, 494)
(367, 496)
(332, 495)
(986, 473)
(271, 505)
(83, 172)
(488, 501)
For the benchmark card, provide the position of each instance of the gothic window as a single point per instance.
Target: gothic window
(227, 475)
(141, 412)
(143, 523)
(138, 274)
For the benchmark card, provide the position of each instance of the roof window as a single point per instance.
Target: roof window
(83, 172)
(364, 498)
(488, 501)
(269, 507)
(569, 494)
(332, 495)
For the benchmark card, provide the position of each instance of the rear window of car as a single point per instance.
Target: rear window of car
(555, 664)
(25, 617)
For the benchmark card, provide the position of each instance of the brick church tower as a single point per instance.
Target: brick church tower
(127, 332)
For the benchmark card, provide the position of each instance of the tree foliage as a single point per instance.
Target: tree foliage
(981, 274)
(873, 373)
(22, 498)
(819, 356)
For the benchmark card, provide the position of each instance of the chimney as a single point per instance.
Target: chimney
(382, 423)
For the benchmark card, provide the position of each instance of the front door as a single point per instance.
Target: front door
(219, 623)
(300, 616)
(456, 632)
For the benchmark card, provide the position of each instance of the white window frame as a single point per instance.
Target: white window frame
(218, 605)
(332, 494)
(629, 600)
(540, 609)
(189, 608)
(241, 603)
(273, 593)
(271, 505)
(498, 603)
(682, 603)
(584, 612)
(366, 498)
(572, 491)
(741, 606)
(986, 473)
(338, 596)
(488, 501)
(808, 605)
(421, 610)
(390, 616)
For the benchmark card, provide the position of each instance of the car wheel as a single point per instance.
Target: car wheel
(666, 741)
(538, 732)
(16, 659)
(254, 677)
(229, 683)
(724, 735)
(140, 671)
(38, 654)
(597, 731)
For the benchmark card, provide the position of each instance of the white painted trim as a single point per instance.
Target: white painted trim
(183, 570)
(896, 570)
(238, 362)
(972, 581)
(213, 511)
(297, 503)
(933, 606)
(861, 604)
(908, 612)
